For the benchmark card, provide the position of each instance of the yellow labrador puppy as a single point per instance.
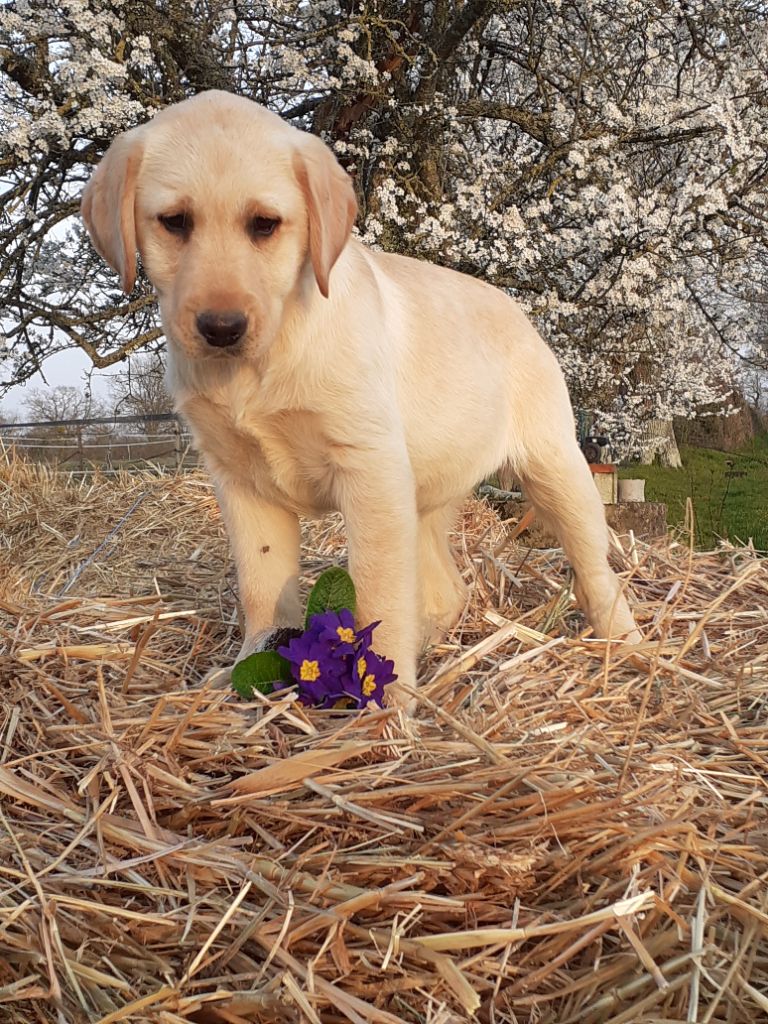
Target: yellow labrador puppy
(316, 374)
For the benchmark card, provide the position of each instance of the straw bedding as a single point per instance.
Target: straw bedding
(569, 832)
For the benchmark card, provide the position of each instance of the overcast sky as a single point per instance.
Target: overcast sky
(69, 368)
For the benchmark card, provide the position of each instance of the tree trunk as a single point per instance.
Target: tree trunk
(658, 442)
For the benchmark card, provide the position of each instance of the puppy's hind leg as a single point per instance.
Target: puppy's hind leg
(443, 591)
(559, 483)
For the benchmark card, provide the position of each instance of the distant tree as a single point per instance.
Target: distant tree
(754, 385)
(64, 402)
(61, 402)
(140, 391)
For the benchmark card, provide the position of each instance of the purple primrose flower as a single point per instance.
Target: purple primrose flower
(315, 665)
(333, 664)
(336, 628)
(372, 673)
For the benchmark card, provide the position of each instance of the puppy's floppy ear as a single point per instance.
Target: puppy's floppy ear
(331, 205)
(107, 206)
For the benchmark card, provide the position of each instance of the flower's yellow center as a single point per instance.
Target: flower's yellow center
(309, 671)
(346, 635)
(361, 667)
(369, 685)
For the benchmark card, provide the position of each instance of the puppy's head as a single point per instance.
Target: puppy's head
(233, 212)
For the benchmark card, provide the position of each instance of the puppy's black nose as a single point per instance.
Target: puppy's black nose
(222, 329)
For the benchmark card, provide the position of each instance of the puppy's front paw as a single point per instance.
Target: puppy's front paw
(401, 698)
(267, 640)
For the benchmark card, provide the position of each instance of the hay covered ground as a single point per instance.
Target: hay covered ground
(570, 832)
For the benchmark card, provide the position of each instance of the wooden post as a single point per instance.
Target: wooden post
(179, 452)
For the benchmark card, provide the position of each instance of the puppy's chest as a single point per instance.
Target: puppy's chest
(283, 456)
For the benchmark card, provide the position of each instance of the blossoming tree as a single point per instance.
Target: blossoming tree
(604, 160)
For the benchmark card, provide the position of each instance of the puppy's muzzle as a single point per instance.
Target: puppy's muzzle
(222, 330)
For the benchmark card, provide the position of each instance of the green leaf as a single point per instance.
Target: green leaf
(259, 672)
(333, 591)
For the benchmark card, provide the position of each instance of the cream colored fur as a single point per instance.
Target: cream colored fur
(373, 384)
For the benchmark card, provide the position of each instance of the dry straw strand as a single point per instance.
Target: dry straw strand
(568, 833)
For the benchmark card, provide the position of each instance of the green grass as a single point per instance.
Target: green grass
(729, 491)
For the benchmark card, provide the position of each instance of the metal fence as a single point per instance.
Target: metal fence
(110, 444)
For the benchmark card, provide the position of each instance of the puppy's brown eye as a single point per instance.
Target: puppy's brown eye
(176, 223)
(262, 227)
